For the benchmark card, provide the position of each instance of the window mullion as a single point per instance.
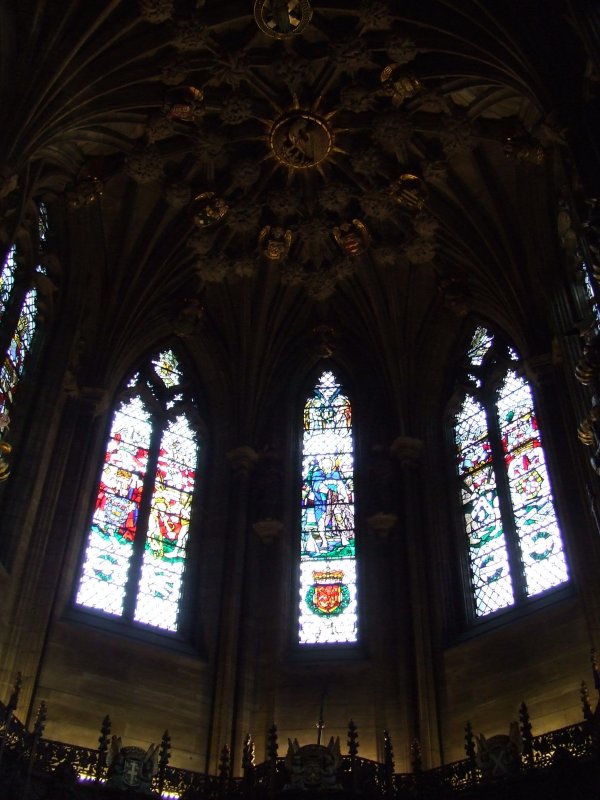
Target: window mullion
(141, 531)
(504, 501)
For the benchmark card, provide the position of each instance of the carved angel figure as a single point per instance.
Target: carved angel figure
(276, 241)
(352, 237)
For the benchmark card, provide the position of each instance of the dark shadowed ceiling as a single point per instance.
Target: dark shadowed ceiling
(273, 176)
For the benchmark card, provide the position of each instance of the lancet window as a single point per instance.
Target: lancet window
(135, 556)
(514, 543)
(327, 593)
(18, 321)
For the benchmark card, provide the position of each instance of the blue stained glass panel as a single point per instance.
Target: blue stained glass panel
(328, 610)
(18, 348)
(7, 279)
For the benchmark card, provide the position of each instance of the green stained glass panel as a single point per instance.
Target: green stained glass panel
(488, 557)
(480, 344)
(327, 547)
(538, 532)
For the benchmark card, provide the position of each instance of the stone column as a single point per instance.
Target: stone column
(408, 451)
(228, 660)
(38, 570)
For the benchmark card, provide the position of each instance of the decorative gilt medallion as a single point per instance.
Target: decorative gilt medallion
(409, 191)
(282, 18)
(208, 209)
(300, 139)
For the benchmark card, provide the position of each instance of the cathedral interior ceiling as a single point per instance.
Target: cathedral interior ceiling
(317, 160)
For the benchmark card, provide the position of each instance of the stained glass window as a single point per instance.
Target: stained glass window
(515, 547)
(18, 349)
(135, 555)
(18, 310)
(327, 593)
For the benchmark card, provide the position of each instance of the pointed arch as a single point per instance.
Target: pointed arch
(327, 583)
(19, 312)
(137, 541)
(514, 545)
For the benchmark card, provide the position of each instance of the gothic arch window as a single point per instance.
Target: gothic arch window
(18, 320)
(514, 544)
(327, 595)
(135, 556)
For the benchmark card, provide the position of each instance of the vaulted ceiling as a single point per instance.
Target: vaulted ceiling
(277, 175)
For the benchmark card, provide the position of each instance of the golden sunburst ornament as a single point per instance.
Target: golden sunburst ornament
(302, 138)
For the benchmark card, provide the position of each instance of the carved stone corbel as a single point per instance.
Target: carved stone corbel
(242, 459)
(268, 530)
(382, 523)
(407, 450)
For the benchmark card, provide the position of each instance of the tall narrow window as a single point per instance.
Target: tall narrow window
(515, 548)
(18, 310)
(328, 608)
(136, 549)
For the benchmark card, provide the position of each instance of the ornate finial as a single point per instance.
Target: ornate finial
(416, 756)
(595, 669)
(526, 733)
(14, 696)
(224, 765)
(40, 720)
(272, 746)
(353, 742)
(248, 754)
(103, 742)
(163, 759)
(469, 743)
(321, 720)
(388, 751)
(586, 705)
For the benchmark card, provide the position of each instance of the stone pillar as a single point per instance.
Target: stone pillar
(39, 569)
(576, 491)
(407, 451)
(229, 658)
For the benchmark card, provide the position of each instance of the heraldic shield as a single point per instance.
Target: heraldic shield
(328, 595)
(131, 768)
